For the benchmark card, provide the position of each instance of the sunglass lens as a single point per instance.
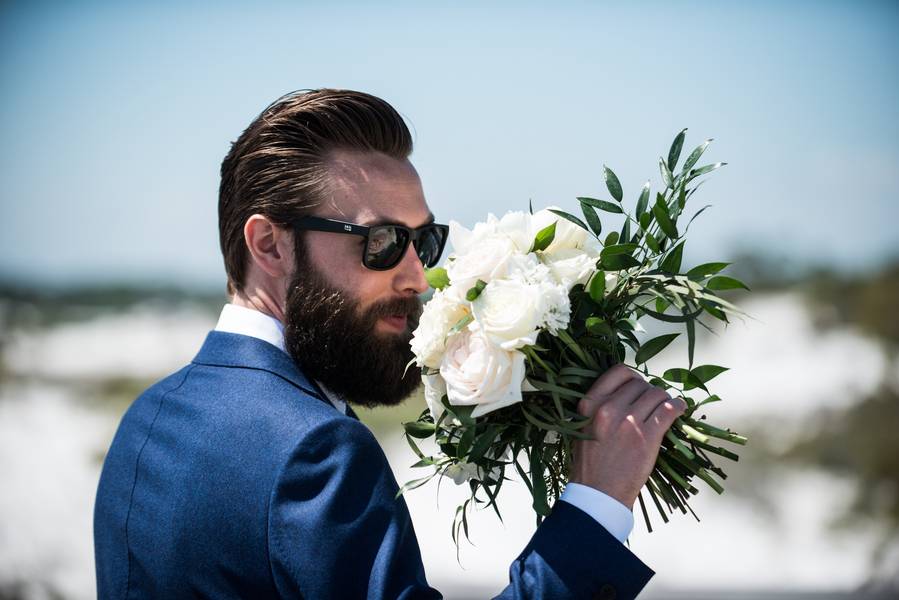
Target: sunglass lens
(385, 246)
(430, 245)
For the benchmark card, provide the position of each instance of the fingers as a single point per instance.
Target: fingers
(650, 399)
(605, 385)
(666, 412)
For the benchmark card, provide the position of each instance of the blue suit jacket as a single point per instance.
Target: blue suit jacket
(236, 478)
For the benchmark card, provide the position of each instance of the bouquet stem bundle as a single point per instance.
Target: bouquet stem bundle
(634, 273)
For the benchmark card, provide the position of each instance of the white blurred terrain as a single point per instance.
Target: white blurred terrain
(65, 386)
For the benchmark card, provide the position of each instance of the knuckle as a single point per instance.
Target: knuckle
(660, 394)
(605, 413)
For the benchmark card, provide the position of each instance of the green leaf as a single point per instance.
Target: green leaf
(684, 377)
(706, 169)
(652, 243)
(674, 152)
(709, 400)
(706, 373)
(626, 231)
(652, 347)
(601, 204)
(597, 288)
(437, 278)
(463, 413)
(618, 262)
(598, 326)
(472, 294)
(570, 217)
(693, 218)
(419, 429)
(660, 210)
(415, 483)
(645, 219)
(618, 249)
(705, 269)
(537, 482)
(611, 239)
(544, 238)
(592, 218)
(662, 305)
(465, 442)
(643, 201)
(694, 156)
(691, 341)
(667, 177)
(530, 206)
(659, 383)
(722, 282)
(612, 183)
(672, 261)
(713, 310)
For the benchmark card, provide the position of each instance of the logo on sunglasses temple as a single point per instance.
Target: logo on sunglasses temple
(347, 228)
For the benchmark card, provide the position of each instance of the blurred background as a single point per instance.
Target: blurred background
(116, 116)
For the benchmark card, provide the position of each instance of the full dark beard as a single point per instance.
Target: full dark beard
(332, 343)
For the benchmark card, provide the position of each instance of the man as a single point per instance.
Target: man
(247, 475)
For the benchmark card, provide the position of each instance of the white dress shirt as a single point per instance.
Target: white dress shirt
(615, 517)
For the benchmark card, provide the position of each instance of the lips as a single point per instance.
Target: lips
(397, 321)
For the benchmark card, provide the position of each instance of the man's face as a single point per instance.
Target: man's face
(346, 325)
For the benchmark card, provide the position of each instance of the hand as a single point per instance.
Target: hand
(630, 418)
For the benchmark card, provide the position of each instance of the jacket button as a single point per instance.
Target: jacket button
(606, 592)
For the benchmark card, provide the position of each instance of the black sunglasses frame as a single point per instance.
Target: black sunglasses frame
(412, 235)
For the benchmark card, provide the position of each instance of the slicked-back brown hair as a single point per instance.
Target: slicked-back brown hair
(277, 167)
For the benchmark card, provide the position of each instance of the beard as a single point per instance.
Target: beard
(332, 341)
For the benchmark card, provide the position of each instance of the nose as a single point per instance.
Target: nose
(410, 274)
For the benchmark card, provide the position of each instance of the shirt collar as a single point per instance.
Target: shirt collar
(257, 324)
(251, 322)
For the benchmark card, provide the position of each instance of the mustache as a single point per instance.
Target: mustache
(408, 306)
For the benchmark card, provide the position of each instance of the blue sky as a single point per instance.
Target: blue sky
(116, 116)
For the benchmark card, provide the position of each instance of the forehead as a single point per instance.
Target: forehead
(370, 187)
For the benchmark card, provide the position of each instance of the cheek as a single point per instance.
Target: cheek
(341, 264)
(339, 257)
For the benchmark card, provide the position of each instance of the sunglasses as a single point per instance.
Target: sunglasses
(385, 245)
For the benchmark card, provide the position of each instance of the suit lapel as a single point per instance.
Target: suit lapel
(223, 349)
(351, 413)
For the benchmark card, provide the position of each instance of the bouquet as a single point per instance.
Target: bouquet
(530, 308)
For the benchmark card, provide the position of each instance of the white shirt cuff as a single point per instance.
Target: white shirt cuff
(608, 512)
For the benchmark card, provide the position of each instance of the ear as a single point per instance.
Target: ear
(270, 245)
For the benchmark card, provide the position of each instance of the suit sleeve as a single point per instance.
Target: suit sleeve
(336, 531)
(573, 556)
(335, 527)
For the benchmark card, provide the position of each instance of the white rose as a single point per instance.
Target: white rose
(435, 390)
(554, 305)
(479, 373)
(568, 235)
(557, 307)
(510, 311)
(461, 472)
(570, 266)
(517, 226)
(438, 316)
(462, 240)
(486, 260)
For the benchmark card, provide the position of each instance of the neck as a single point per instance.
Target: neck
(258, 300)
